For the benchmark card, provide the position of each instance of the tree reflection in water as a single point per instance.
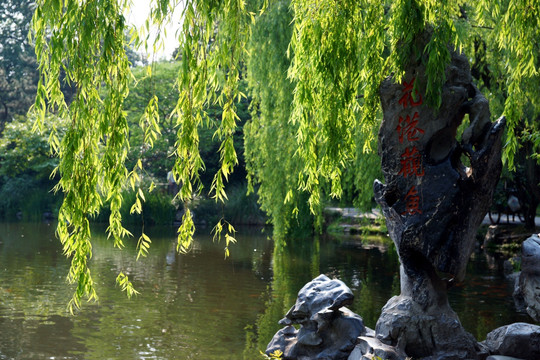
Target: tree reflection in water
(201, 305)
(370, 267)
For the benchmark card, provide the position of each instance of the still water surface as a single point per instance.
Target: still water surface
(200, 305)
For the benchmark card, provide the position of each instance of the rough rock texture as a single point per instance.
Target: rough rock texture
(433, 201)
(419, 333)
(328, 329)
(452, 198)
(518, 340)
(369, 348)
(527, 290)
(530, 255)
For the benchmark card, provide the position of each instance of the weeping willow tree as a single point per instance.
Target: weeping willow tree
(269, 137)
(316, 95)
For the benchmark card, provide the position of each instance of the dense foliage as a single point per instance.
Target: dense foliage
(309, 126)
(507, 72)
(275, 161)
(159, 81)
(269, 137)
(94, 149)
(26, 164)
(18, 69)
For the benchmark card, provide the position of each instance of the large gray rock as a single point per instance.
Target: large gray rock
(520, 340)
(370, 348)
(530, 255)
(328, 329)
(527, 290)
(527, 295)
(316, 298)
(419, 333)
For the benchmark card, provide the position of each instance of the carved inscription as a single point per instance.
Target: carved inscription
(409, 131)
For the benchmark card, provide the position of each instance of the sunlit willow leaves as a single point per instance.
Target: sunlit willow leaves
(511, 28)
(229, 235)
(338, 57)
(270, 143)
(213, 41)
(123, 281)
(307, 128)
(85, 40)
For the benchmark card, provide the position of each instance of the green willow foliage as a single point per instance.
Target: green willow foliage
(209, 75)
(338, 56)
(339, 52)
(512, 28)
(85, 40)
(270, 143)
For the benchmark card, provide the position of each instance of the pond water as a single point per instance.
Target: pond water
(200, 305)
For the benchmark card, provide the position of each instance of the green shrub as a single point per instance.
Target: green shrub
(26, 163)
(25, 197)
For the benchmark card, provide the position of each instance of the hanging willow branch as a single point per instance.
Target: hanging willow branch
(85, 41)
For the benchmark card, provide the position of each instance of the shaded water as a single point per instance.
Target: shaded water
(200, 305)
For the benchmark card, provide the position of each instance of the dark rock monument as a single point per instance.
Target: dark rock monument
(438, 189)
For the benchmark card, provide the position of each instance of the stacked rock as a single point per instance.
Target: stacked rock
(328, 330)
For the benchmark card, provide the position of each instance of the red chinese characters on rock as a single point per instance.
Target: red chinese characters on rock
(411, 163)
(408, 128)
(408, 99)
(411, 159)
(412, 202)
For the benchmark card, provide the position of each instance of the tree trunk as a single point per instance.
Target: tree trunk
(4, 118)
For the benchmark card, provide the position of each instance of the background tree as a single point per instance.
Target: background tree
(26, 164)
(269, 137)
(495, 72)
(18, 67)
(271, 145)
(340, 52)
(158, 82)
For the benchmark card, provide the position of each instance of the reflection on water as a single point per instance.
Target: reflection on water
(200, 305)
(191, 307)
